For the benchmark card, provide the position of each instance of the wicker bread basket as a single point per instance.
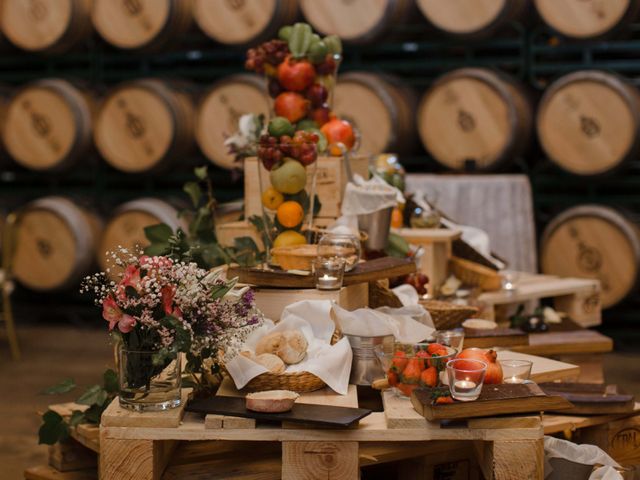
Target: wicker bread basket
(301, 257)
(474, 274)
(301, 382)
(447, 315)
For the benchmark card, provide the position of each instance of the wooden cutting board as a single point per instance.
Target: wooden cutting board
(494, 400)
(369, 271)
(498, 337)
(591, 398)
(325, 415)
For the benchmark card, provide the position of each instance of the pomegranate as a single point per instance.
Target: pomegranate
(490, 357)
(296, 76)
(291, 106)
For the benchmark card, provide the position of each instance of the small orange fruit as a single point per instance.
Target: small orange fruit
(290, 214)
(338, 131)
(396, 218)
(272, 199)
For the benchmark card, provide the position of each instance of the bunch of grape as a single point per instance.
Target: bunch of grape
(272, 52)
(303, 146)
(269, 151)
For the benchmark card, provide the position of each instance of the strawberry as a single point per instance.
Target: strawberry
(411, 373)
(429, 378)
(434, 347)
(406, 389)
(423, 354)
(399, 362)
(392, 378)
(443, 400)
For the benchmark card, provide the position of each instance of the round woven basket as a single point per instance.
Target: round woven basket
(474, 274)
(301, 382)
(447, 315)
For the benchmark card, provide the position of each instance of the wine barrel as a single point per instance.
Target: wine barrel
(147, 25)
(51, 26)
(361, 21)
(594, 241)
(380, 107)
(588, 122)
(55, 244)
(243, 22)
(48, 125)
(471, 19)
(221, 108)
(590, 19)
(474, 118)
(145, 125)
(126, 227)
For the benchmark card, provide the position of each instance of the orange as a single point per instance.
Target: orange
(288, 238)
(396, 218)
(290, 214)
(271, 198)
(338, 131)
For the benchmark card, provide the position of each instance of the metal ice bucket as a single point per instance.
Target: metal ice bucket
(365, 366)
(376, 225)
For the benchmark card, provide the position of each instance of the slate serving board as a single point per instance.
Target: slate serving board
(504, 399)
(592, 398)
(326, 415)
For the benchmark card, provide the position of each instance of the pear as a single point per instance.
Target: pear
(290, 177)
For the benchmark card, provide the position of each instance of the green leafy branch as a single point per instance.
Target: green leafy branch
(56, 428)
(199, 243)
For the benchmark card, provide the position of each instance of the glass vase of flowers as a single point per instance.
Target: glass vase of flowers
(162, 310)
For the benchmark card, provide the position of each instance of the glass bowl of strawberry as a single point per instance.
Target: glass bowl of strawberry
(414, 365)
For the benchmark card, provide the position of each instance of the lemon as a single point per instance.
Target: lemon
(288, 238)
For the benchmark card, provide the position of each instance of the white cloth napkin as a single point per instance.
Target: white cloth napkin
(584, 454)
(407, 294)
(411, 324)
(367, 196)
(330, 363)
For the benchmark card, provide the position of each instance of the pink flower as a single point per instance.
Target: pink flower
(167, 293)
(111, 312)
(131, 278)
(144, 260)
(126, 323)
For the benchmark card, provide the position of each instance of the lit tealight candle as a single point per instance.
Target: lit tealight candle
(513, 379)
(327, 281)
(464, 386)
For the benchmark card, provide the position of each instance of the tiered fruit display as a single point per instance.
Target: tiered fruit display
(300, 68)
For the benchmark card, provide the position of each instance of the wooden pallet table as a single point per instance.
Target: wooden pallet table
(140, 446)
(579, 298)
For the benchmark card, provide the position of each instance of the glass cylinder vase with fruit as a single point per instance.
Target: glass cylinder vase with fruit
(300, 69)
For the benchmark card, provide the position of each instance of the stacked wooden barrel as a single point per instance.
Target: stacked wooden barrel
(145, 125)
(381, 108)
(48, 125)
(594, 241)
(475, 119)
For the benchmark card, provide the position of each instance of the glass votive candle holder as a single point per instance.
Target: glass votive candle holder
(451, 338)
(328, 273)
(466, 377)
(516, 371)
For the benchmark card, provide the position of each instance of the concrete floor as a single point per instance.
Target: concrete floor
(53, 353)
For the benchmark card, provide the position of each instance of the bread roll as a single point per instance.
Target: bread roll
(271, 362)
(271, 401)
(269, 343)
(292, 347)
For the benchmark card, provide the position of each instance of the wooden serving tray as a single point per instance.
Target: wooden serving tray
(369, 271)
(494, 400)
(497, 337)
(591, 398)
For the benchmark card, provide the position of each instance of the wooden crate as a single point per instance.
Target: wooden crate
(619, 438)
(272, 301)
(228, 232)
(331, 180)
(577, 297)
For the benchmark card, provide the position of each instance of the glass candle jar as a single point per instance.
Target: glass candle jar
(516, 371)
(451, 338)
(466, 377)
(328, 273)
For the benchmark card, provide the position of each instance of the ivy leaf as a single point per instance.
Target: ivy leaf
(95, 395)
(194, 191)
(157, 249)
(159, 233)
(53, 429)
(64, 386)
(93, 414)
(110, 380)
(201, 172)
(77, 417)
